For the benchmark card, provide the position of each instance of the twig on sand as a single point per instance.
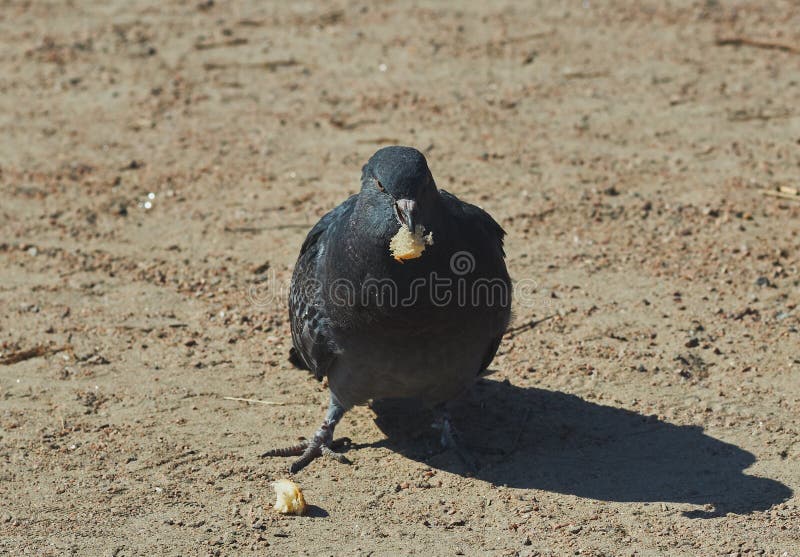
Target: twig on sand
(288, 226)
(512, 40)
(756, 43)
(35, 352)
(783, 192)
(271, 65)
(581, 74)
(255, 401)
(379, 140)
(520, 430)
(220, 44)
(511, 332)
(763, 115)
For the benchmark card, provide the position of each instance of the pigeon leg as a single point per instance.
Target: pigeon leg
(321, 444)
(450, 439)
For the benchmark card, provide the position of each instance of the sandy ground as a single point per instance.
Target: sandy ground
(160, 164)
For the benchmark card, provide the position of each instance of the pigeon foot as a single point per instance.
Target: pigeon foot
(450, 441)
(322, 444)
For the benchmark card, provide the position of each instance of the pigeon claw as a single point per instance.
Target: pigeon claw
(294, 450)
(321, 445)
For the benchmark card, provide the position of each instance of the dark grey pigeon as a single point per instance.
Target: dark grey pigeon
(385, 328)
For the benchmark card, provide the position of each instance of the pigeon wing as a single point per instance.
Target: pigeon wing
(313, 346)
(476, 219)
(490, 234)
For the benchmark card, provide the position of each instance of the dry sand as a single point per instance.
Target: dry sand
(622, 148)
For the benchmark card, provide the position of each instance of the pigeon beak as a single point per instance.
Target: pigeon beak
(406, 210)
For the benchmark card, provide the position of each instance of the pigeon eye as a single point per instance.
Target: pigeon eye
(379, 185)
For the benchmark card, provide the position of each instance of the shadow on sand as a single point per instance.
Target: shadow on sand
(538, 439)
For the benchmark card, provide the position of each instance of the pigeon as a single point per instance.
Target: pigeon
(421, 323)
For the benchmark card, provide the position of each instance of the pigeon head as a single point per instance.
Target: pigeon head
(398, 190)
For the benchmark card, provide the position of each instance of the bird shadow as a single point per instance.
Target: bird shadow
(314, 511)
(539, 439)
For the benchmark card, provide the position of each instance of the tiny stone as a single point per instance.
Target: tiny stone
(763, 281)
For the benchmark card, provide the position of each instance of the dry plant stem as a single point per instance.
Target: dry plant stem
(755, 43)
(35, 352)
(254, 401)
